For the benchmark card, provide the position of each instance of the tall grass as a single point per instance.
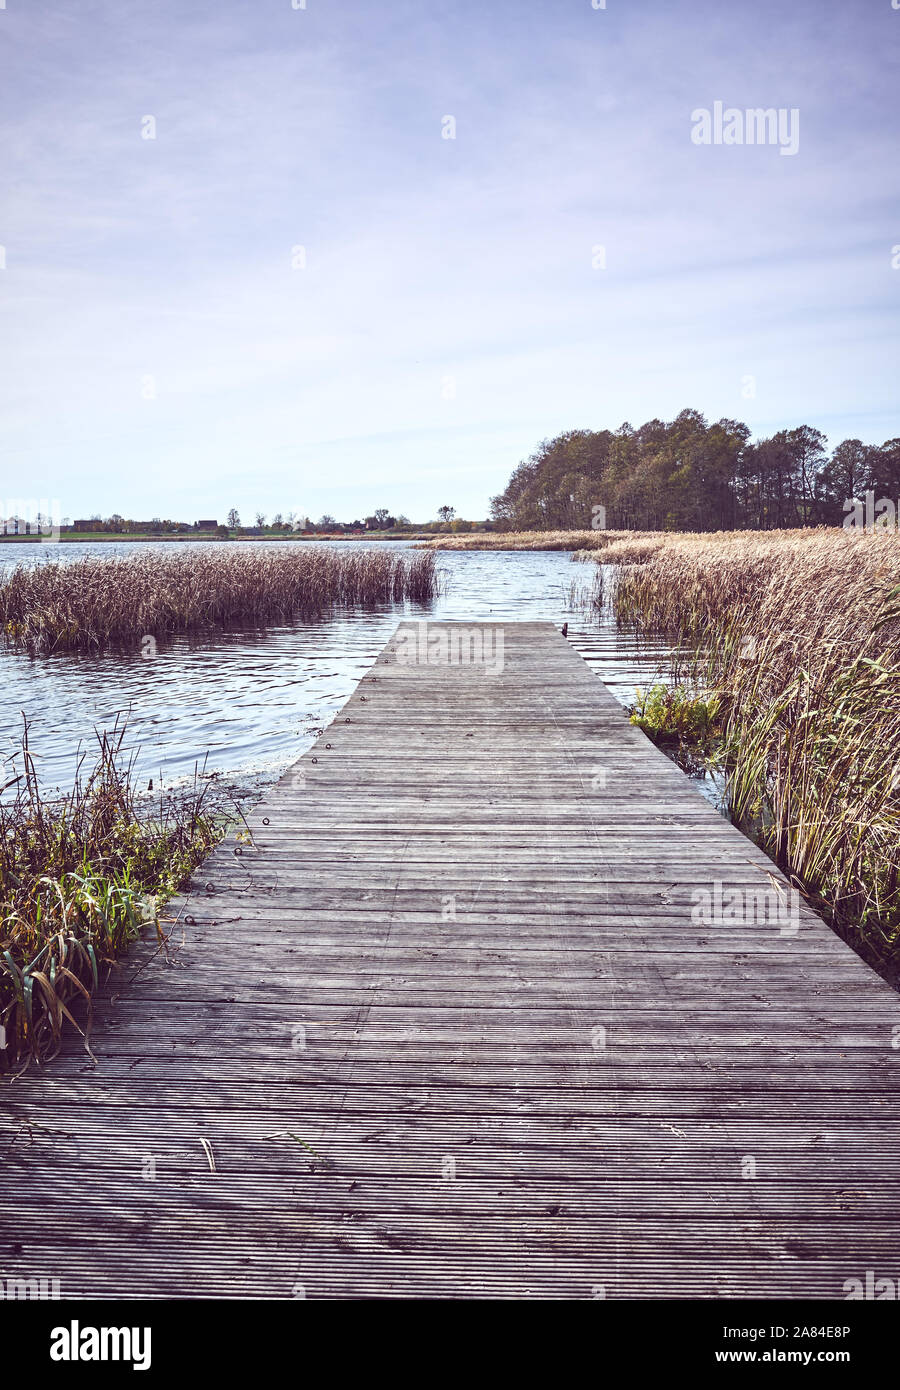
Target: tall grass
(627, 547)
(90, 602)
(797, 635)
(79, 875)
(618, 546)
(518, 540)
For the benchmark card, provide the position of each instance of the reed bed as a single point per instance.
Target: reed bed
(88, 603)
(80, 874)
(619, 547)
(517, 540)
(587, 597)
(796, 634)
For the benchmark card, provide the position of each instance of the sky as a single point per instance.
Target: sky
(244, 265)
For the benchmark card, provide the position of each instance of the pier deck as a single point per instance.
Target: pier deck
(459, 1024)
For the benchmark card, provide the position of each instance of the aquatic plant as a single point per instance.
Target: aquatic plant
(518, 540)
(80, 874)
(87, 603)
(672, 712)
(797, 634)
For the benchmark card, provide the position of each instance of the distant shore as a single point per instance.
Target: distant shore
(86, 537)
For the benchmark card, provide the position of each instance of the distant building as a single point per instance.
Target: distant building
(205, 525)
(93, 525)
(16, 526)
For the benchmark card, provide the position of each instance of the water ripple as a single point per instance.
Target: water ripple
(250, 702)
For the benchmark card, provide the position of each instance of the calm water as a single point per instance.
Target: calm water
(249, 703)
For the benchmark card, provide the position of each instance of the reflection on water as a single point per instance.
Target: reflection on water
(251, 702)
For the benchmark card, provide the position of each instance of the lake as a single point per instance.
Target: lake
(248, 703)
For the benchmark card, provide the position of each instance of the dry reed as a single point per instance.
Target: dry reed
(798, 634)
(619, 547)
(517, 540)
(90, 602)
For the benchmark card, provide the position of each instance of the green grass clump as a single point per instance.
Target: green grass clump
(80, 875)
(676, 714)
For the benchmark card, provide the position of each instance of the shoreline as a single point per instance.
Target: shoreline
(88, 538)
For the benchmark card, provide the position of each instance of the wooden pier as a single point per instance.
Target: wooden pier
(493, 1007)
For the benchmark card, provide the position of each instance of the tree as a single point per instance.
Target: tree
(260, 519)
(846, 477)
(684, 474)
(277, 521)
(446, 513)
(382, 518)
(234, 520)
(326, 523)
(885, 464)
(807, 447)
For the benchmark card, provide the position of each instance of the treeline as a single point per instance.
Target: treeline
(690, 476)
(281, 524)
